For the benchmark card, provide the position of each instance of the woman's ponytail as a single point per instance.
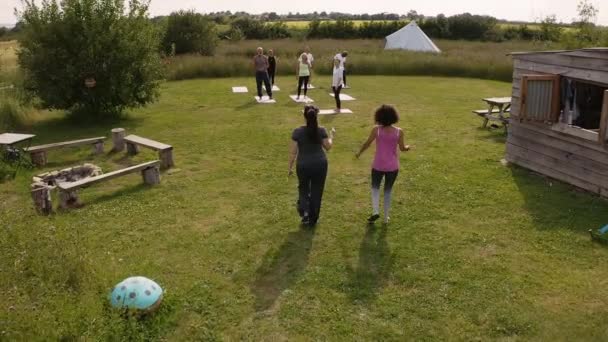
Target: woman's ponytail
(312, 124)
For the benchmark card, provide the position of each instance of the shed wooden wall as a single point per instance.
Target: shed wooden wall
(536, 146)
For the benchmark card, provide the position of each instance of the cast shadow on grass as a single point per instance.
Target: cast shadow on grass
(494, 134)
(375, 266)
(556, 205)
(121, 193)
(66, 128)
(282, 269)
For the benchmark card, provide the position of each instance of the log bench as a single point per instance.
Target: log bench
(38, 153)
(165, 152)
(68, 197)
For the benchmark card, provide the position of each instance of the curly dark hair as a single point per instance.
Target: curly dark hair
(386, 115)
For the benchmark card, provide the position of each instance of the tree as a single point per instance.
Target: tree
(549, 29)
(587, 34)
(90, 57)
(190, 32)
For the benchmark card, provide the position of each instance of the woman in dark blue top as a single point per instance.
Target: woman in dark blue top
(308, 147)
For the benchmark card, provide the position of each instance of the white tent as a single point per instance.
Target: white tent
(411, 38)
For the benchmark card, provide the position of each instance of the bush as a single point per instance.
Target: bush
(90, 57)
(190, 32)
(12, 115)
(257, 29)
(470, 27)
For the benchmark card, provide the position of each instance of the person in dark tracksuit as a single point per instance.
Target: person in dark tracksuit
(308, 147)
(272, 66)
(260, 63)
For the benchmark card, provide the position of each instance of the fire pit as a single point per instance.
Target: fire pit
(43, 184)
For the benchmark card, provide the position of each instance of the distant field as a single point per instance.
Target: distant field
(8, 61)
(304, 23)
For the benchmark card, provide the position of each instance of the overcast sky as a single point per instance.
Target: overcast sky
(526, 10)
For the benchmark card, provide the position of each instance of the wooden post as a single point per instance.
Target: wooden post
(166, 158)
(42, 200)
(39, 158)
(151, 175)
(98, 147)
(132, 149)
(68, 199)
(118, 139)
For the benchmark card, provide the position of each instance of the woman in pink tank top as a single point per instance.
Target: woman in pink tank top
(386, 160)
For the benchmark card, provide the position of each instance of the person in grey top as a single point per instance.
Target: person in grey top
(260, 64)
(308, 147)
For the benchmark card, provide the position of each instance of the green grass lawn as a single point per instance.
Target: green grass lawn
(475, 250)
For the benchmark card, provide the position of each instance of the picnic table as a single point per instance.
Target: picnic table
(497, 108)
(13, 148)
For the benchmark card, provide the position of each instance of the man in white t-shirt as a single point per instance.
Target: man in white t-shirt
(342, 58)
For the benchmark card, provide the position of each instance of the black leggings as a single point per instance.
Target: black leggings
(389, 179)
(271, 73)
(311, 182)
(303, 80)
(344, 77)
(337, 91)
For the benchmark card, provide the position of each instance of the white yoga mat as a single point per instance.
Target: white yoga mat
(240, 90)
(333, 111)
(302, 99)
(275, 88)
(264, 99)
(344, 97)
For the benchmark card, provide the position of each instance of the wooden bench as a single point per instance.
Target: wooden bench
(487, 116)
(38, 153)
(67, 191)
(165, 152)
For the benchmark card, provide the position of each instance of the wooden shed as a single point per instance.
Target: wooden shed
(559, 116)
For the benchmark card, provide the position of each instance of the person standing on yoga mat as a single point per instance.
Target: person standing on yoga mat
(303, 72)
(336, 84)
(272, 66)
(342, 58)
(309, 55)
(260, 64)
(308, 147)
(386, 160)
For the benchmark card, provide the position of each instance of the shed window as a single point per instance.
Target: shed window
(571, 106)
(540, 98)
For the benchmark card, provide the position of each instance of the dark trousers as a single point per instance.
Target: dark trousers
(262, 76)
(344, 77)
(303, 80)
(311, 182)
(337, 91)
(271, 73)
(389, 179)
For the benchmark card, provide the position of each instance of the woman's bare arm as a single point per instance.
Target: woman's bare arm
(402, 146)
(328, 143)
(372, 136)
(293, 154)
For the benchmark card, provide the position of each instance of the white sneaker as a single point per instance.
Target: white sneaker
(387, 220)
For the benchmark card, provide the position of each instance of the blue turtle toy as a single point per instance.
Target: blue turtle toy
(139, 294)
(600, 235)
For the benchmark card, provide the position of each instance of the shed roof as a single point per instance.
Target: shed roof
(598, 52)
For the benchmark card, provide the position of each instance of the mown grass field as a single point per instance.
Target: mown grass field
(475, 250)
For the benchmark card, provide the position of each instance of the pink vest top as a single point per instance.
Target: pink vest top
(386, 158)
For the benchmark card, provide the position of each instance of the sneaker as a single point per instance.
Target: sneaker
(305, 219)
(387, 220)
(373, 218)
